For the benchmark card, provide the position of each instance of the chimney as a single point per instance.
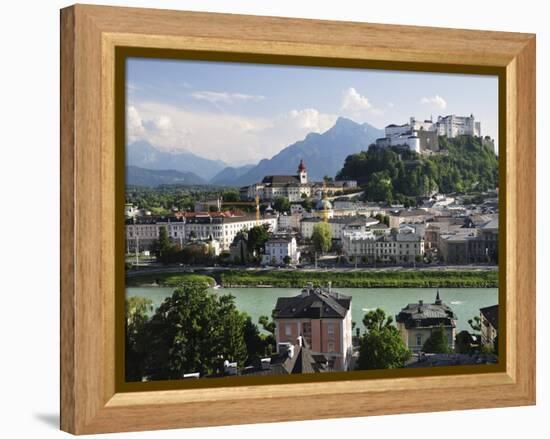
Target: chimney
(290, 352)
(283, 348)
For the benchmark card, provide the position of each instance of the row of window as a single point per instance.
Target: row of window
(306, 333)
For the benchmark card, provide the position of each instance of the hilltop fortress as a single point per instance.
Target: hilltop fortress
(422, 136)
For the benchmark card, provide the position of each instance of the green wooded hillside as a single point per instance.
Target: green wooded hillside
(464, 164)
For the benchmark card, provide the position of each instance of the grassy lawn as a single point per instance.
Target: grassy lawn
(167, 279)
(365, 279)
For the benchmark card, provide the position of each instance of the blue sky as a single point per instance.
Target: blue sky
(241, 113)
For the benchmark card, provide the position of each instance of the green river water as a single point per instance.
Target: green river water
(465, 302)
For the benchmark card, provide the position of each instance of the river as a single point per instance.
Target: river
(465, 302)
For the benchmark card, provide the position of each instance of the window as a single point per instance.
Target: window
(330, 347)
(419, 339)
(288, 329)
(330, 330)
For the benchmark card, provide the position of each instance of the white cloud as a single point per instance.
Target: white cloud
(354, 102)
(225, 98)
(134, 124)
(436, 101)
(358, 106)
(163, 123)
(311, 119)
(229, 137)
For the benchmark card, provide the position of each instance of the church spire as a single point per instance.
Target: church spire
(302, 174)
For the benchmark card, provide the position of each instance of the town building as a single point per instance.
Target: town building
(369, 247)
(143, 231)
(488, 324)
(400, 247)
(297, 358)
(473, 244)
(224, 229)
(238, 249)
(337, 224)
(293, 187)
(358, 245)
(416, 322)
(208, 205)
(290, 222)
(323, 318)
(344, 206)
(280, 249)
(408, 216)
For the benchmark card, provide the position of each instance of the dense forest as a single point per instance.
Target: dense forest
(464, 164)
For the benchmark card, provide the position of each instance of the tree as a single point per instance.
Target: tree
(269, 326)
(379, 188)
(137, 310)
(287, 259)
(162, 247)
(463, 342)
(377, 320)
(231, 195)
(382, 346)
(384, 219)
(437, 342)
(229, 342)
(322, 237)
(194, 330)
(281, 204)
(475, 323)
(195, 253)
(307, 204)
(468, 163)
(257, 345)
(257, 237)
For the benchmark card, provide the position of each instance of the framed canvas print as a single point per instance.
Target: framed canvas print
(271, 219)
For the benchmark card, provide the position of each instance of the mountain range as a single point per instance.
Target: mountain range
(144, 155)
(136, 176)
(323, 154)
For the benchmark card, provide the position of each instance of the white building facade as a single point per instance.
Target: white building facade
(338, 224)
(280, 249)
(453, 126)
(293, 187)
(142, 233)
(225, 229)
(421, 135)
(401, 247)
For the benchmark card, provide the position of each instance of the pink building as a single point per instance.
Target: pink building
(323, 318)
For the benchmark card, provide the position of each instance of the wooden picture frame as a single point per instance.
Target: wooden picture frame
(91, 401)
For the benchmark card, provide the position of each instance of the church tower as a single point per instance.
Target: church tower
(302, 173)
